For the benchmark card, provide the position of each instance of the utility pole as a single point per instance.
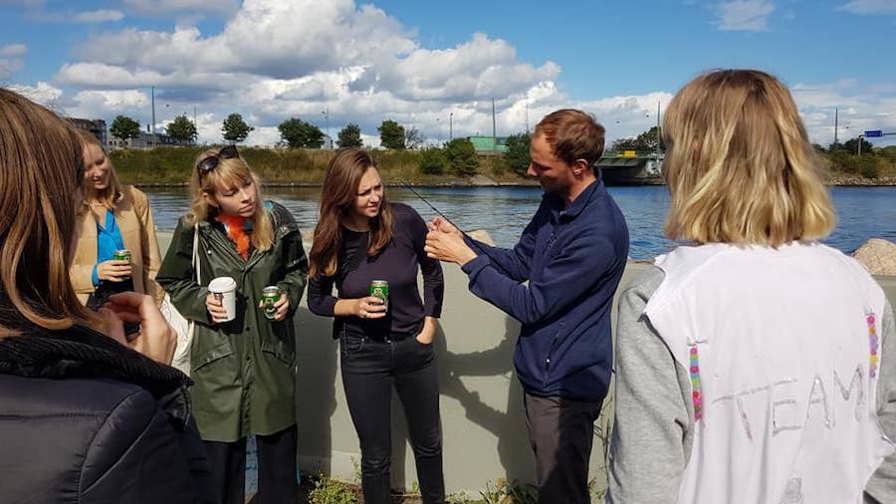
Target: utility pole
(658, 137)
(450, 126)
(326, 113)
(494, 127)
(527, 113)
(152, 133)
(835, 125)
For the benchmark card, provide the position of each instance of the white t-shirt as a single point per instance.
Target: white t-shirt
(782, 346)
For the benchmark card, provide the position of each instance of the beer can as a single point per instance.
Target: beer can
(269, 297)
(380, 289)
(122, 255)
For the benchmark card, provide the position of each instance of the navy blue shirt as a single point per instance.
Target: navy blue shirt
(573, 259)
(397, 263)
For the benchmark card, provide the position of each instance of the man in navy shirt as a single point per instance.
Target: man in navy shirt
(572, 254)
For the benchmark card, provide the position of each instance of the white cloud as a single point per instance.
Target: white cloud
(43, 93)
(869, 7)
(169, 6)
(99, 16)
(13, 50)
(744, 15)
(859, 107)
(11, 59)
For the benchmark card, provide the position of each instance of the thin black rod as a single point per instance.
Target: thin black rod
(442, 215)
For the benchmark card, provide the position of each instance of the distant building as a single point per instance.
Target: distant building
(95, 126)
(488, 144)
(146, 141)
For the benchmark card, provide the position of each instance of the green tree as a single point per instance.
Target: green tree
(182, 130)
(645, 142)
(298, 133)
(235, 129)
(517, 157)
(391, 134)
(461, 156)
(852, 146)
(350, 136)
(432, 161)
(124, 128)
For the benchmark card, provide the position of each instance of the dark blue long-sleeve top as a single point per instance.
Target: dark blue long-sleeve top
(573, 259)
(397, 263)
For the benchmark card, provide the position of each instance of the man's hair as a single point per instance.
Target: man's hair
(573, 135)
(739, 166)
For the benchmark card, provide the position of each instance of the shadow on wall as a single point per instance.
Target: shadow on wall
(317, 359)
(319, 395)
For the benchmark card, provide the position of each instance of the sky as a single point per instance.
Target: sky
(437, 66)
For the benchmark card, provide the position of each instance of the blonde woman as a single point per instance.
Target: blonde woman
(85, 417)
(756, 365)
(244, 369)
(111, 217)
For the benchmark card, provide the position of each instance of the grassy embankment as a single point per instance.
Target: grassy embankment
(171, 165)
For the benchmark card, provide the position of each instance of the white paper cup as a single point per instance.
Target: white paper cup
(224, 289)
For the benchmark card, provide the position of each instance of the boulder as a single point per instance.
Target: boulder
(879, 256)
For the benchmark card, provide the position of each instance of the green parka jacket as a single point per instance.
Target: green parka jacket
(244, 370)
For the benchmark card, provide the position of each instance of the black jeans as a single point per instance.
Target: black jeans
(276, 468)
(561, 432)
(369, 370)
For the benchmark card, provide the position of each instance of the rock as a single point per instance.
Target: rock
(481, 235)
(879, 256)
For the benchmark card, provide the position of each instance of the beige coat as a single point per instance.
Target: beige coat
(134, 218)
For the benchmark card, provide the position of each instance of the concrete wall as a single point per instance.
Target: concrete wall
(481, 404)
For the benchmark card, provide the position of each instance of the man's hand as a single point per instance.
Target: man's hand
(156, 339)
(446, 243)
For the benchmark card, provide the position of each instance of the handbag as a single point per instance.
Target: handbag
(183, 327)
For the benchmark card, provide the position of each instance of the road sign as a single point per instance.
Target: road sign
(873, 133)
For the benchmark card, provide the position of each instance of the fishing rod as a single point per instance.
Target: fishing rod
(470, 239)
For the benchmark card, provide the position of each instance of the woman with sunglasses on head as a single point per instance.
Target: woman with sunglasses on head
(112, 217)
(88, 414)
(755, 364)
(361, 238)
(244, 368)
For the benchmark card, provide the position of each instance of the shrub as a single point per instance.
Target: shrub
(461, 156)
(432, 161)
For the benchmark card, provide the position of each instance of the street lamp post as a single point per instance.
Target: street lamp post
(450, 126)
(326, 113)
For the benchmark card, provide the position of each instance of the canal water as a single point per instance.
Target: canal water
(863, 212)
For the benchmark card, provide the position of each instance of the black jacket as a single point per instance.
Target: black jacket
(84, 419)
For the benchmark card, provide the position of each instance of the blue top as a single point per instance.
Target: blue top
(108, 240)
(573, 259)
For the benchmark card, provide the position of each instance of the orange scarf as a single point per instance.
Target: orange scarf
(237, 231)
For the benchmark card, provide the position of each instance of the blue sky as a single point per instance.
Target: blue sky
(333, 62)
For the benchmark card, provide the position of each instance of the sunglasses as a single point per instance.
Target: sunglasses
(210, 163)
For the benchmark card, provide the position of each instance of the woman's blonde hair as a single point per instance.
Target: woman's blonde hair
(40, 169)
(229, 172)
(108, 196)
(739, 166)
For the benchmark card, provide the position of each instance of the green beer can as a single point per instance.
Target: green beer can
(269, 296)
(122, 255)
(380, 289)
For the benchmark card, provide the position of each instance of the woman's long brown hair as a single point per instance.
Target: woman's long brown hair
(40, 157)
(337, 199)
